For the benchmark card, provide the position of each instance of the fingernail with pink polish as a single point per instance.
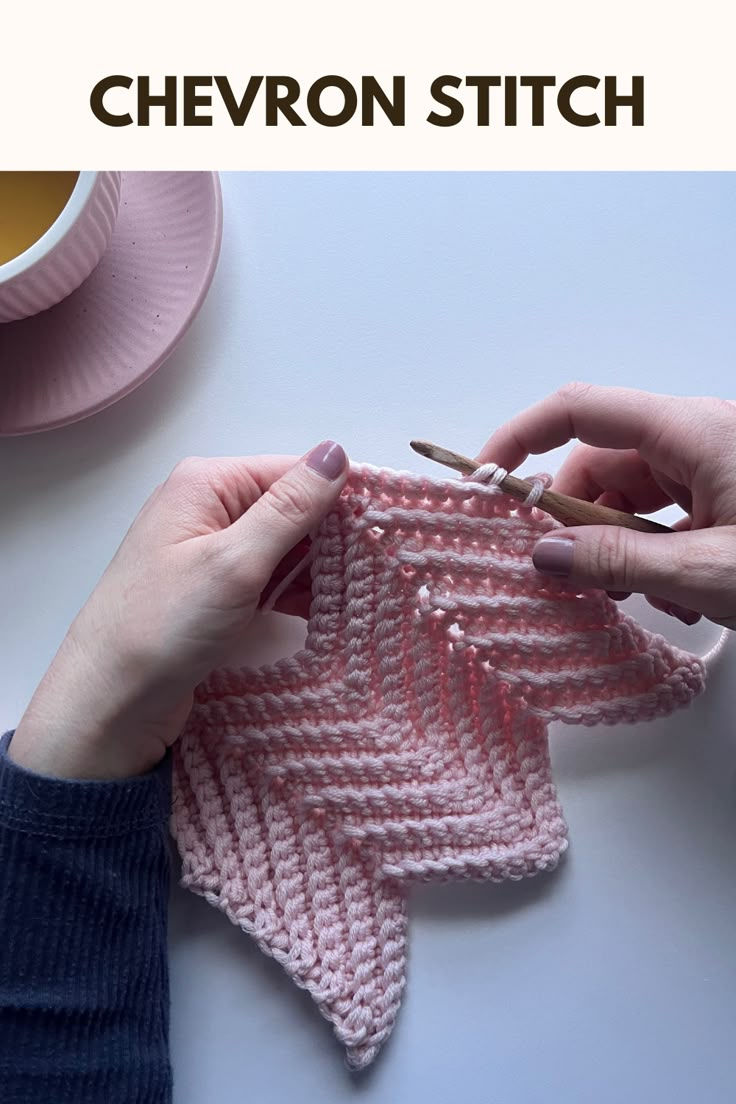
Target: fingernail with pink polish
(327, 459)
(553, 556)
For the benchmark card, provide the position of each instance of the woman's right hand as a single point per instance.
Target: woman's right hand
(639, 452)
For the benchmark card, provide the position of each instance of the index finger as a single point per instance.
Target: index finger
(609, 417)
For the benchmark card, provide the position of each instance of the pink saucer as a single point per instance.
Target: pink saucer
(127, 317)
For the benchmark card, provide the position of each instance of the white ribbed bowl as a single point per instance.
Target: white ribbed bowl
(55, 265)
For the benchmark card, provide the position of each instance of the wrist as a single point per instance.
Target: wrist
(86, 721)
(57, 745)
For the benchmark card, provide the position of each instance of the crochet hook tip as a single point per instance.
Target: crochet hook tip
(444, 456)
(422, 447)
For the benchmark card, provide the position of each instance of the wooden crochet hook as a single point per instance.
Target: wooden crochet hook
(570, 511)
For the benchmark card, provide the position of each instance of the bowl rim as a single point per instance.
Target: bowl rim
(67, 218)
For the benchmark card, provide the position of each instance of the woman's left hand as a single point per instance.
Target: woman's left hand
(170, 608)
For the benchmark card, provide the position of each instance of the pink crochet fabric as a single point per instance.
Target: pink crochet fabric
(407, 741)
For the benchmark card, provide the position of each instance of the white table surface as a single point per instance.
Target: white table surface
(372, 308)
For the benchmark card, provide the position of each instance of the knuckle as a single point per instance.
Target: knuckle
(718, 422)
(574, 392)
(613, 561)
(688, 564)
(583, 456)
(722, 408)
(290, 500)
(191, 467)
(703, 565)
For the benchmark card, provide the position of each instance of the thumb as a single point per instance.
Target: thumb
(289, 510)
(687, 569)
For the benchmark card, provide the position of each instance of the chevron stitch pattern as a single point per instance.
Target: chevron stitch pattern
(407, 741)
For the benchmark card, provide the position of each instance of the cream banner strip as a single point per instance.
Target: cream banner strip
(462, 85)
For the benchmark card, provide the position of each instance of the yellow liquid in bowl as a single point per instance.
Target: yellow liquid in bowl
(30, 202)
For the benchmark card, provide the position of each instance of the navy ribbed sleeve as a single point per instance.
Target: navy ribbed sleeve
(84, 874)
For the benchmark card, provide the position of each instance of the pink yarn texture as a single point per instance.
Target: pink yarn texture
(407, 741)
